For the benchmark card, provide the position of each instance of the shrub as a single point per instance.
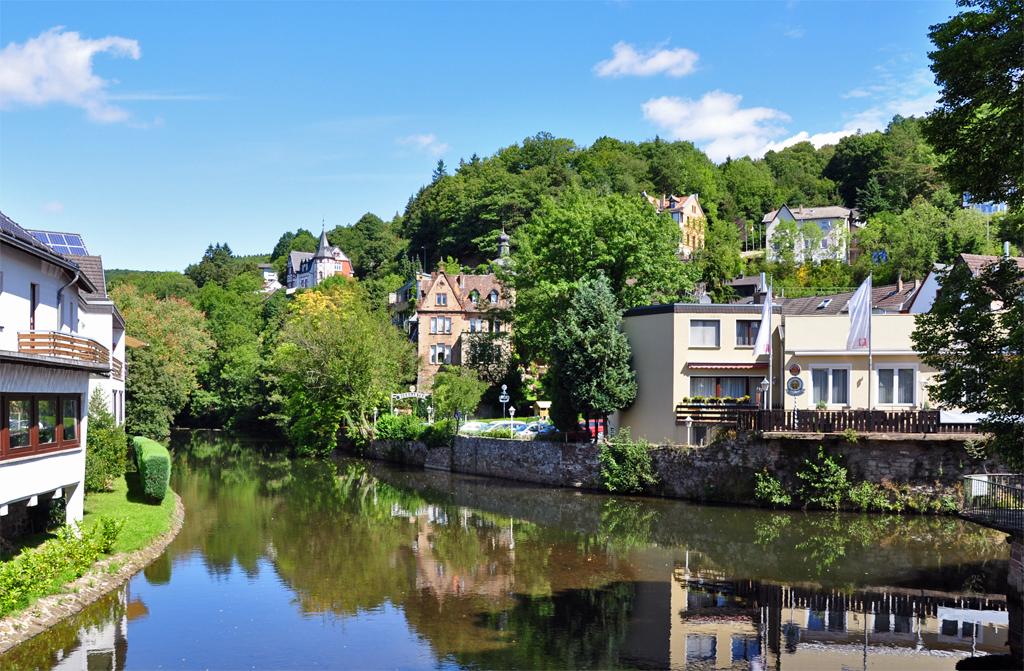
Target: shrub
(850, 436)
(399, 427)
(154, 462)
(770, 490)
(868, 496)
(106, 446)
(826, 484)
(626, 465)
(60, 560)
(439, 434)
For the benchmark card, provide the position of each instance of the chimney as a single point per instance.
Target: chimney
(801, 210)
(899, 283)
(917, 283)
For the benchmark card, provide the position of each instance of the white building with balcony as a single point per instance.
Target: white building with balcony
(60, 338)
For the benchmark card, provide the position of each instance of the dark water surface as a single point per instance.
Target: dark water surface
(351, 564)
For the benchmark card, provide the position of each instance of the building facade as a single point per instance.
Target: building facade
(60, 338)
(306, 270)
(835, 224)
(687, 212)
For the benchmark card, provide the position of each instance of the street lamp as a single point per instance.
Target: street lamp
(512, 423)
(764, 393)
(430, 414)
(689, 430)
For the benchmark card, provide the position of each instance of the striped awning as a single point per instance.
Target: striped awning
(729, 366)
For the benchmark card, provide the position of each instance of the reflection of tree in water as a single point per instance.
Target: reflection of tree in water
(628, 523)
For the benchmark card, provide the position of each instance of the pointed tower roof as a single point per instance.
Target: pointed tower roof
(324, 250)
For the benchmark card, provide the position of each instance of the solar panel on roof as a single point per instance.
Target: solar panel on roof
(74, 240)
(79, 250)
(60, 249)
(41, 237)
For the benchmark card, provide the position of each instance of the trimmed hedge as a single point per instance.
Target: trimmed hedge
(154, 463)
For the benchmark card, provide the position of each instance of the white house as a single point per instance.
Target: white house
(60, 337)
(307, 270)
(270, 281)
(834, 222)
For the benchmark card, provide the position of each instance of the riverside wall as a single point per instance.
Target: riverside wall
(723, 471)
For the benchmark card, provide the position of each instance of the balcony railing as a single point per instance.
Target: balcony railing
(52, 343)
(995, 500)
(865, 421)
(711, 413)
(117, 369)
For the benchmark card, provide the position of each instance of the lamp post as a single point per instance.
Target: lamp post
(512, 423)
(689, 430)
(430, 414)
(375, 422)
(764, 393)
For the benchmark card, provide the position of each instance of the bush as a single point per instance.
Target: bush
(38, 572)
(826, 484)
(770, 490)
(106, 446)
(868, 496)
(439, 434)
(399, 427)
(154, 462)
(626, 465)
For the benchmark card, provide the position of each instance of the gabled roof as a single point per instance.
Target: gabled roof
(887, 297)
(12, 233)
(483, 284)
(92, 267)
(295, 259)
(805, 213)
(978, 261)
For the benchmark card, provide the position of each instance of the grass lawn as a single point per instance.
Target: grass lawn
(145, 520)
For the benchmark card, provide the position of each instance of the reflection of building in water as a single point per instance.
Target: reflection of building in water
(744, 624)
(101, 647)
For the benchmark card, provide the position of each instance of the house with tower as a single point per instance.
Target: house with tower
(306, 270)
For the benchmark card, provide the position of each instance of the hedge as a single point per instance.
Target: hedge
(154, 463)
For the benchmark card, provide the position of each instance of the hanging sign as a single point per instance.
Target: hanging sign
(411, 394)
(794, 369)
(795, 386)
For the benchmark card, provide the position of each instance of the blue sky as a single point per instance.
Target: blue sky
(155, 129)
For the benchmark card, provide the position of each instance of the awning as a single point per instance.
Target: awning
(134, 342)
(729, 366)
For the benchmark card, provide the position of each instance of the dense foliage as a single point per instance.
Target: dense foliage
(626, 465)
(106, 447)
(154, 465)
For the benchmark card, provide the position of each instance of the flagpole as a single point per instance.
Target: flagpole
(870, 357)
(771, 345)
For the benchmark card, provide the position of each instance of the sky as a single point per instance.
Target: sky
(155, 129)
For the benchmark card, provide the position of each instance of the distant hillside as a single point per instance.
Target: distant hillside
(112, 274)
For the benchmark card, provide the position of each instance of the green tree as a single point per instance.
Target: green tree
(161, 285)
(749, 188)
(218, 265)
(974, 337)
(459, 389)
(798, 175)
(106, 446)
(908, 241)
(720, 260)
(591, 353)
(856, 160)
(575, 237)
(978, 128)
(164, 373)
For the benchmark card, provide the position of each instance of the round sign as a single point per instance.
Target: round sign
(412, 388)
(795, 384)
(504, 387)
(503, 398)
(794, 369)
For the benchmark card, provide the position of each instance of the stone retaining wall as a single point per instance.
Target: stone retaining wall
(721, 472)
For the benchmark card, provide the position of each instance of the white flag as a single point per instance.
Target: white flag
(763, 344)
(860, 317)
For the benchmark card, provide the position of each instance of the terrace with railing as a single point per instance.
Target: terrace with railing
(53, 343)
(995, 500)
(838, 421)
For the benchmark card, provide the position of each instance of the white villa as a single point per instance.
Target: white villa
(306, 270)
(60, 338)
(835, 224)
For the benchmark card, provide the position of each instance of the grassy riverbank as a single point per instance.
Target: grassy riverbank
(118, 521)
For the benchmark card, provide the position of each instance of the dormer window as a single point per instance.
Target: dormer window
(494, 297)
(474, 296)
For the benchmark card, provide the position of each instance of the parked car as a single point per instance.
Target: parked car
(473, 426)
(536, 428)
(505, 424)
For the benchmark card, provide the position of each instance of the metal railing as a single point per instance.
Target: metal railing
(838, 421)
(53, 343)
(995, 500)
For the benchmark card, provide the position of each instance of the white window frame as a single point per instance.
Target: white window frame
(433, 353)
(830, 367)
(690, 334)
(895, 367)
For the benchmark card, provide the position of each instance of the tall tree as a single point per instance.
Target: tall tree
(974, 337)
(591, 353)
(978, 127)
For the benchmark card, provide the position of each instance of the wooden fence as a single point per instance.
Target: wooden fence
(710, 413)
(863, 421)
(52, 343)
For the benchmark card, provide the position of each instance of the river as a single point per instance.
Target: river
(352, 564)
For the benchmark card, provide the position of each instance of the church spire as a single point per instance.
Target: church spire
(324, 250)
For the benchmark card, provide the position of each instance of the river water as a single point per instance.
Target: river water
(352, 564)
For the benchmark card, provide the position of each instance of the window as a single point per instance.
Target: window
(746, 332)
(37, 424)
(896, 386)
(433, 324)
(704, 333)
(831, 385)
(703, 386)
(433, 353)
(447, 321)
(474, 296)
(34, 303)
(824, 244)
(494, 297)
(675, 217)
(441, 299)
(732, 387)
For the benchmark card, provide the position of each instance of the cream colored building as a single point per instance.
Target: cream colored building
(686, 350)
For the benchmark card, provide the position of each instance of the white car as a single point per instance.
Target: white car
(473, 425)
(506, 425)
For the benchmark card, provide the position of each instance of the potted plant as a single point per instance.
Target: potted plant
(697, 400)
(821, 405)
(686, 399)
(745, 400)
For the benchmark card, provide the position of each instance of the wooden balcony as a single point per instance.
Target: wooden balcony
(116, 369)
(65, 345)
(711, 413)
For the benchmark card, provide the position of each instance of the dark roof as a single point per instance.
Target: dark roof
(483, 284)
(742, 281)
(887, 297)
(978, 261)
(15, 234)
(92, 267)
(700, 308)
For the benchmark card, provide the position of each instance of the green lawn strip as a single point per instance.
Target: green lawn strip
(146, 520)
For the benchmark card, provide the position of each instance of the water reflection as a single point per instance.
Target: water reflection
(310, 563)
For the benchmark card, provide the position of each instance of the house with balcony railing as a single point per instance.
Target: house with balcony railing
(60, 338)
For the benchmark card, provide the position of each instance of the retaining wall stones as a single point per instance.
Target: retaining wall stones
(720, 472)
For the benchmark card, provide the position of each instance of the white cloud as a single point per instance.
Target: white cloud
(818, 140)
(628, 61)
(795, 33)
(53, 207)
(426, 143)
(57, 67)
(717, 119)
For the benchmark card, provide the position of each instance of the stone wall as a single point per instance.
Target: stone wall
(720, 472)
